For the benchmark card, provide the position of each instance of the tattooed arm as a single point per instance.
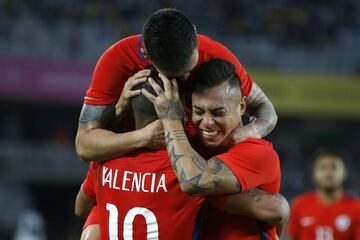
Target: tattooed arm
(271, 208)
(95, 143)
(195, 174)
(263, 118)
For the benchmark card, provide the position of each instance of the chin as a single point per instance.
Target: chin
(211, 143)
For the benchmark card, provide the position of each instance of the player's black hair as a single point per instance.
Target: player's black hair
(143, 109)
(170, 39)
(213, 73)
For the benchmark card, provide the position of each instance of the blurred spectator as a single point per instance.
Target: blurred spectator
(31, 226)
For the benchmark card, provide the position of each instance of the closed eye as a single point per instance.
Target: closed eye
(219, 113)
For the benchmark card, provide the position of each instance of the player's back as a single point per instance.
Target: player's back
(312, 219)
(139, 197)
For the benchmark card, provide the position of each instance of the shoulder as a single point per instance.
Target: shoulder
(209, 48)
(126, 47)
(255, 147)
(351, 200)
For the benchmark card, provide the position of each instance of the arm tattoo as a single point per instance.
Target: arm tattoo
(102, 113)
(194, 173)
(197, 159)
(173, 110)
(221, 172)
(174, 158)
(168, 139)
(262, 108)
(195, 181)
(180, 135)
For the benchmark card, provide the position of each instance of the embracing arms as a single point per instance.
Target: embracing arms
(271, 208)
(263, 118)
(95, 142)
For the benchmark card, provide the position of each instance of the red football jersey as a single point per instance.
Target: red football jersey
(255, 164)
(312, 220)
(92, 218)
(122, 60)
(139, 197)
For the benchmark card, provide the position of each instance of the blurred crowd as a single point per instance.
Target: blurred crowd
(81, 30)
(71, 27)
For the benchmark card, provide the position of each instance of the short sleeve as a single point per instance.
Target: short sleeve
(254, 162)
(88, 185)
(214, 49)
(293, 226)
(112, 70)
(93, 217)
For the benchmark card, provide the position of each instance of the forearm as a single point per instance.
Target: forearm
(196, 175)
(83, 204)
(188, 165)
(263, 121)
(262, 112)
(267, 207)
(100, 144)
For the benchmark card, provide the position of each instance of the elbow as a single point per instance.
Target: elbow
(198, 188)
(79, 211)
(188, 188)
(274, 120)
(193, 189)
(281, 211)
(81, 150)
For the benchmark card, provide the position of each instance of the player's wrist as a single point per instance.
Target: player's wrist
(143, 137)
(172, 124)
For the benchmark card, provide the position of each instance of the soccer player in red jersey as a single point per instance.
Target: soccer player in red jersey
(144, 184)
(169, 42)
(327, 213)
(217, 107)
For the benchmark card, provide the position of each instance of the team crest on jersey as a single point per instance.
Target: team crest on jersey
(342, 223)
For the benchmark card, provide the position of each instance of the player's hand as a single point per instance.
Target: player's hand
(127, 92)
(239, 134)
(167, 103)
(154, 133)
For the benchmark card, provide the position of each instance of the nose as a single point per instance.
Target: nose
(207, 121)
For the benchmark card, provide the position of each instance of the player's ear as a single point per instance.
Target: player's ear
(195, 29)
(144, 53)
(243, 105)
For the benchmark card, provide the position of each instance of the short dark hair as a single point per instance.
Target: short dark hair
(170, 39)
(213, 73)
(144, 109)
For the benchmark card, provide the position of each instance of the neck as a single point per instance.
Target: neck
(330, 196)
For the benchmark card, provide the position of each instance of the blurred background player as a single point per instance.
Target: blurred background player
(327, 213)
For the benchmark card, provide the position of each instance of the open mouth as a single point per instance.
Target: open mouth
(209, 133)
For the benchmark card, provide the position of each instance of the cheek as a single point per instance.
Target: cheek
(196, 120)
